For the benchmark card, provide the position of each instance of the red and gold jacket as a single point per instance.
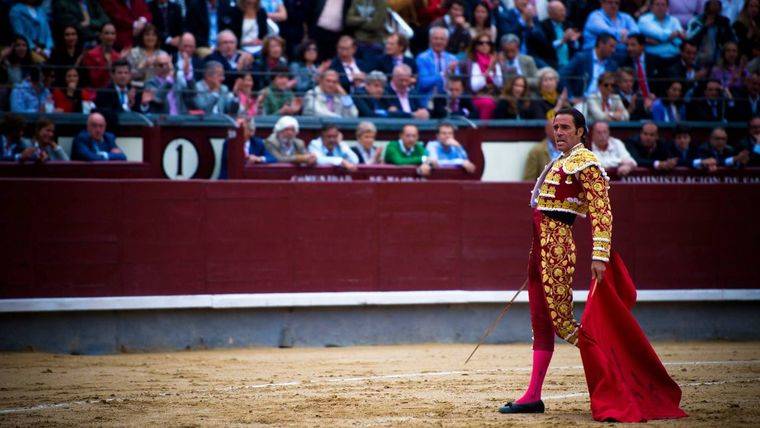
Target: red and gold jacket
(576, 183)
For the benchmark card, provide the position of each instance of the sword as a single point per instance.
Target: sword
(493, 325)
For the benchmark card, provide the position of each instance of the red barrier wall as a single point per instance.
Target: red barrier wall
(153, 237)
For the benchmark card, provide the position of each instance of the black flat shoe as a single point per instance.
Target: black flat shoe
(534, 407)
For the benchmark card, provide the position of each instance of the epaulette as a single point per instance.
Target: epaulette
(580, 159)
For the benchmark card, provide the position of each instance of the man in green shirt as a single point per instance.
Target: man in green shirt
(408, 150)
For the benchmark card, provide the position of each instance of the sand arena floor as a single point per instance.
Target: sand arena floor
(356, 386)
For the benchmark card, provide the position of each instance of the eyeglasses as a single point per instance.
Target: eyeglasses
(483, 42)
(608, 85)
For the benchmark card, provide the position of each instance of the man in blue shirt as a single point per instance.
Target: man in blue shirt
(434, 65)
(610, 20)
(446, 151)
(331, 150)
(663, 31)
(31, 95)
(95, 144)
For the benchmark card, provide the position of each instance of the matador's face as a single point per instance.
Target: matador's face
(566, 135)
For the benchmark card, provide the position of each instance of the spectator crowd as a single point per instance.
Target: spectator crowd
(657, 61)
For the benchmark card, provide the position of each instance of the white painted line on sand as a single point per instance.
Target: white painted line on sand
(324, 381)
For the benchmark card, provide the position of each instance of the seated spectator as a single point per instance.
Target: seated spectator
(97, 61)
(129, 19)
(581, 75)
(723, 153)
(283, 145)
(371, 101)
(366, 20)
(250, 25)
(753, 136)
(32, 95)
(645, 67)
(169, 22)
(445, 151)
(408, 150)
(638, 106)
(747, 27)
(95, 144)
(395, 54)
(120, 96)
(85, 16)
(648, 151)
(671, 108)
(685, 69)
(212, 95)
(605, 104)
(329, 99)
(610, 151)
(712, 106)
(747, 100)
(486, 76)
(17, 61)
(608, 20)
(163, 93)
(454, 102)
(541, 154)
(729, 70)
(228, 56)
(456, 23)
(44, 141)
(330, 149)
(278, 99)
(560, 33)
(663, 32)
(305, 69)
(522, 21)
(30, 20)
(366, 151)
(142, 57)
(515, 101)
(401, 95)
(482, 21)
(434, 65)
(71, 98)
(254, 148)
(346, 64)
(515, 63)
(709, 31)
(13, 146)
(66, 55)
(243, 91)
(272, 56)
(687, 152)
(550, 99)
(187, 61)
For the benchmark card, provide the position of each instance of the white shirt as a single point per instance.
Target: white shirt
(615, 154)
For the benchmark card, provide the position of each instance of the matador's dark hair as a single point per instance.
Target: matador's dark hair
(578, 120)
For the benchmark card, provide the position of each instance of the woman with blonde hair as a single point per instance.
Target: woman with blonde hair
(550, 99)
(272, 55)
(367, 152)
(605, 104)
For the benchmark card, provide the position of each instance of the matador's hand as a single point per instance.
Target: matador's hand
(597, 270)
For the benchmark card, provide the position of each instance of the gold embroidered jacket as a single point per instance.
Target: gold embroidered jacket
(576, 183)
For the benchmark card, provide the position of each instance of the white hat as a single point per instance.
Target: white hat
(286, 122)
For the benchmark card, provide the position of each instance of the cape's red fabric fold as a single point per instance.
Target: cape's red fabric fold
(625, 378)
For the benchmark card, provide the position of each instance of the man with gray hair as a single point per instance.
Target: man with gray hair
(329, 99)
(434, 65)
(516, 63)
(285, 147)
(212, 95)
(370, 100)
(232, 59)
(401, 96)
(562, 40)
(163, 93)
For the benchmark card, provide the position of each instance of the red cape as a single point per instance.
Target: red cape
(625, 378)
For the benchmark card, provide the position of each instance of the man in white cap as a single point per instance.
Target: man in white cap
(284, 145)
